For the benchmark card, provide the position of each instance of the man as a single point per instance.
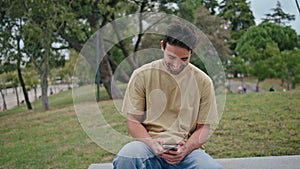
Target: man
(170, 105)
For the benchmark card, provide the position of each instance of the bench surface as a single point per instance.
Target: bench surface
(271, 162)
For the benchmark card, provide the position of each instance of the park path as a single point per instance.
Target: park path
(236, 86)
(11, 99)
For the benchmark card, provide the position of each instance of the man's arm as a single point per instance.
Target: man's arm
(198, 138)
(138, 131)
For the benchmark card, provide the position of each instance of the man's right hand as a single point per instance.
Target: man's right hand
(156, 147)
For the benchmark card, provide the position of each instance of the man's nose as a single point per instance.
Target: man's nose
(176, 65)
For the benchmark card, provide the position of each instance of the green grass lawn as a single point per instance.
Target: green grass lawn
(254, 124)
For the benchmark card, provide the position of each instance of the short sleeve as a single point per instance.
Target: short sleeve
(208, 113)
(134, 99)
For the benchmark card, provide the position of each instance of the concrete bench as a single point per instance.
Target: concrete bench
(272, 162)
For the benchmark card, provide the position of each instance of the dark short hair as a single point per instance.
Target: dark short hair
(180, 34)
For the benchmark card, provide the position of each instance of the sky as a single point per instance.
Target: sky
(262, 7)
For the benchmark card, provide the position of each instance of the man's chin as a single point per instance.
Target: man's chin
(175, 72)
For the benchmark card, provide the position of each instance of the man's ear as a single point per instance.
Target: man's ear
(162, 45)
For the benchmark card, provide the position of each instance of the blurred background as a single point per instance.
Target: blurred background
(40, 42)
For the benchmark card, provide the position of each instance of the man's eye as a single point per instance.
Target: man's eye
(172, 57)
(184, 59)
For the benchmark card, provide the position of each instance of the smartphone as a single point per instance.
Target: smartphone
(170, 147)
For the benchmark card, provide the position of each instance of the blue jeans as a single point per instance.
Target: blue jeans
(137, 155)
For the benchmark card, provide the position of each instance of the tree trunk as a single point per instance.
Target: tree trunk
(44, 90)
(282, 81)
(105, 67)
(107, 80)
(22, 83)
(123, 47)
(35, 93)
(4, 102)
(257, 86)
(288, 78)
(123, 74)
(21, 80)
(44, 82)
(297, 4)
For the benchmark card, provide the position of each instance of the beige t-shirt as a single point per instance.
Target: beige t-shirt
(171, 105)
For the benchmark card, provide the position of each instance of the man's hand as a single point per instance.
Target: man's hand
(196, 140)
(174, 157)
(156, 147)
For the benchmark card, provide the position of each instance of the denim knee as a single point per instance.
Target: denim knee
(120, 162)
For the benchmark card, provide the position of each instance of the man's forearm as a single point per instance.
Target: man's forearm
(138, 131)
(198, 138)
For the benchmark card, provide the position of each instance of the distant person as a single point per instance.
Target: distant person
(240, 89)
(271, 89)
(245, 90)
(51, 91)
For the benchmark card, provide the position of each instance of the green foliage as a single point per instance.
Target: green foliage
(252, 44)
(291, 63)
(36, 29)
(239, 17)
(238, 13)
(237, 65)
(187, 9)
(284, 36)
(262, 46)
(216, 29)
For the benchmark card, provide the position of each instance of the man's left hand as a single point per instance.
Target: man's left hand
(174, 157)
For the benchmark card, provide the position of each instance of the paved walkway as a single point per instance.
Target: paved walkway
(237, 86)
(11, 101)
(11, 98)
(272, 162)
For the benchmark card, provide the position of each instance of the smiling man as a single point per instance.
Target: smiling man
(170, 105)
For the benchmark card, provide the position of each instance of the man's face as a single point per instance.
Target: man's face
(175, 58)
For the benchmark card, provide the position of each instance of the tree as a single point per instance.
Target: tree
(98, 14)
(76, 32)
(188, 9)
(42, 22)
(216, 29)
(284, 36)
(239, 16)
(291, 67)
(2, 88)
(211, 5)
(238, 13)
(67, 71)
(278, 16)
(264, 48)
(256, 48)
(286, 39)
(236, 64)
(72, 23)
(13, 78)
(31, 77)
(11, 37)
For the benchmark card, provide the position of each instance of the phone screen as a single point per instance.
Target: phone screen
(170, 147)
